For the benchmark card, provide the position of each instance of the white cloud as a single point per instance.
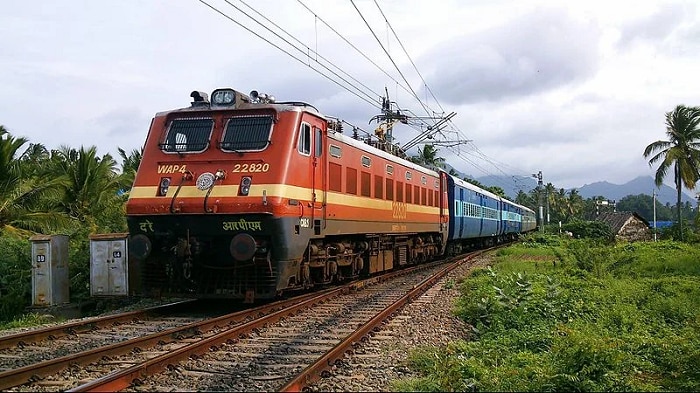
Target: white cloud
(575, 89)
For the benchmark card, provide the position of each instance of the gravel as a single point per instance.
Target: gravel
(428, 321)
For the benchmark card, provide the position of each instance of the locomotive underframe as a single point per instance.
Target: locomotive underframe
(335, 258)
(192, 255)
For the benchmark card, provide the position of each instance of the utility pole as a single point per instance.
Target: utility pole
(653, 192)
(538, 176)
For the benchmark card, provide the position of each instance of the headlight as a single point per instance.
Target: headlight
(244, 189)
(223, 97)
(163, 186)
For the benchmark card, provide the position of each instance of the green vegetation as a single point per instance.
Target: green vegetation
(574, 315)
(67, 191)
(681, 151)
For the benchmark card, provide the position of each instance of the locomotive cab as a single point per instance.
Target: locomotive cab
(219, 182)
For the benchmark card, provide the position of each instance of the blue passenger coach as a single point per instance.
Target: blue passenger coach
(475, 215)
(481, 218)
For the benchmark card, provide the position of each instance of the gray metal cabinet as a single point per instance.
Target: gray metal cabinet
(50, 282)
(109, 268)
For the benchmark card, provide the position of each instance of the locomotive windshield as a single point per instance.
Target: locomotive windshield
(247, 133)
(188, 135)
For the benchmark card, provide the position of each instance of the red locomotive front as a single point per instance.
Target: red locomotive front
(241, 197)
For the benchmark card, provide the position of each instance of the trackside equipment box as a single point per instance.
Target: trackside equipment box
(50, 283)
(109, 267)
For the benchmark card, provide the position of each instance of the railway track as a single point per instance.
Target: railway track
(284, 345)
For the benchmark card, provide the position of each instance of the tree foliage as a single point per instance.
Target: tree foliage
(681, 152)
(65, 191)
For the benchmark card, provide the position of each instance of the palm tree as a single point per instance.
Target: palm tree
(681, 151)
(130, 164)
(24, 206)
(91, 182)
(428, 156)
(574, 204)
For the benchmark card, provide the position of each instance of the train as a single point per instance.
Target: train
(243, 197)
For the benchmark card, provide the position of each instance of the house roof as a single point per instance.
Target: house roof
(618, 219)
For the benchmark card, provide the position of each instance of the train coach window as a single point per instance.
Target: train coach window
(188, 135)
(335, 151)
(247, 133)
(366, 161)
(304, 143)
(408, 175)
(390, 169)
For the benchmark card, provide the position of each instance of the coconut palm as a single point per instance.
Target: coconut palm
(428, 156)
(130, 164)
(91, 182)
(25, 202)
(681, 151)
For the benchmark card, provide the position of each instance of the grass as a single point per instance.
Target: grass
(627, 322)
(29, 320)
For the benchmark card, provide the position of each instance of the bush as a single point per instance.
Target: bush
(15, 277)
(589, 229)
(564, 329)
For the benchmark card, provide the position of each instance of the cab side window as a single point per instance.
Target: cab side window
(318, 143)
(304, 143)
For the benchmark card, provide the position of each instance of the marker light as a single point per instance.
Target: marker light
(223, 97)
(244, 189)
(163, 186)
(220, 174)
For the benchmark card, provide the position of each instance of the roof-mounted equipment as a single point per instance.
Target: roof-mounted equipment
(199, 98)
(258, 98)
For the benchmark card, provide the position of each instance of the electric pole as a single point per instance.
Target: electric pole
(538, 176)
(653, 192)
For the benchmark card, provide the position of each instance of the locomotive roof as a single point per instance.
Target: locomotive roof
(371, 149)
(289, 106)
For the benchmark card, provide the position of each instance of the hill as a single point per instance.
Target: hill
(639, 185)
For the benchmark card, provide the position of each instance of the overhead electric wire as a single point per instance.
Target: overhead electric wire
(426, 133)
(415, 95)
(375, 104)
(358, 92)
(353, 46)
(408, 56)
(307, 47)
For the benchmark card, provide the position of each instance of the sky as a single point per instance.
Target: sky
(574, 89)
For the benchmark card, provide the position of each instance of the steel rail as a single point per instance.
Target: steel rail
(84, 325)
(122, 379)
(32, 372)
(313, 372)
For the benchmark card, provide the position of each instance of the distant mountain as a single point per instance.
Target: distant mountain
(641, 185)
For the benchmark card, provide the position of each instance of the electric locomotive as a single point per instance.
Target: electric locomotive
(244, 197)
